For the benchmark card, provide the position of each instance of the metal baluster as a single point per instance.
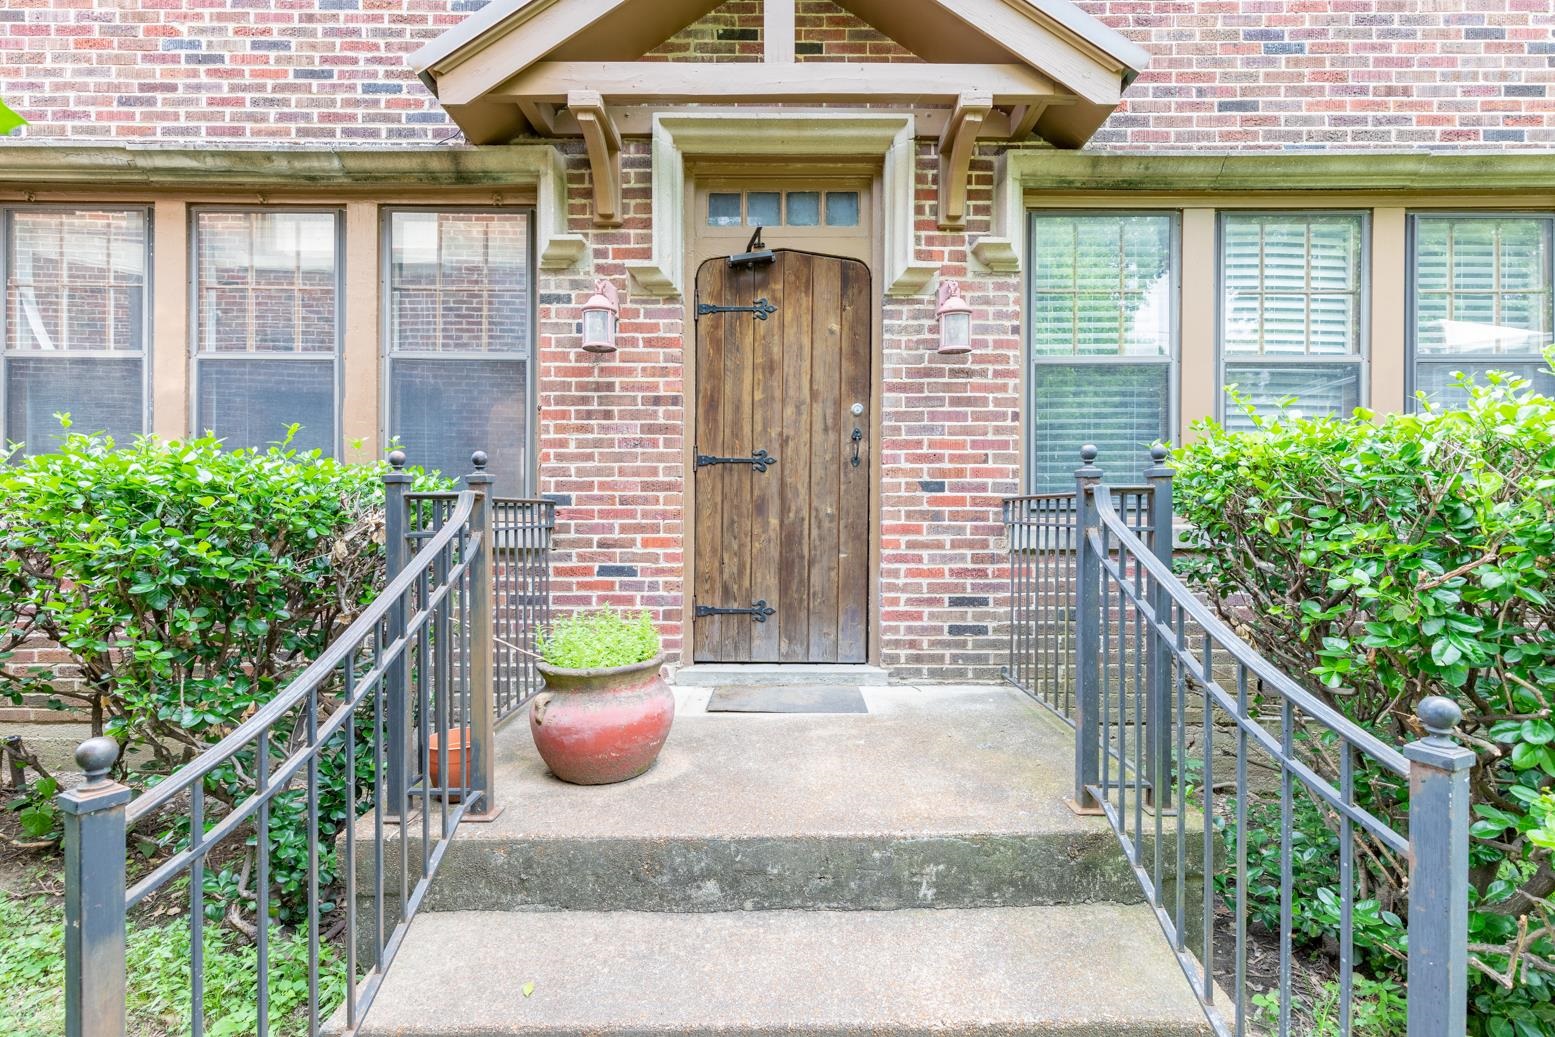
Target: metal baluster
(1087, 635)
(349, 704)
(1207, 958)
(262, 882)
(1287, 806)
(1346, 886)
(1240, 994)
(197, 909)
(313, 860)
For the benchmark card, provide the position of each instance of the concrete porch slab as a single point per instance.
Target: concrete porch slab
(935, 798)
(1086, 971)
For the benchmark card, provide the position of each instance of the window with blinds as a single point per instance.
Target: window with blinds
(1102, 326)
(74, 329)
(267, 326)
(460, 308)
(1481, 299)
(1292, 305)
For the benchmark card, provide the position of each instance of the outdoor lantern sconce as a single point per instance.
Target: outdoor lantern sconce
(955, 320)
(600, 315)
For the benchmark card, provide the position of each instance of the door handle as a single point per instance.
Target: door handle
(857, 437)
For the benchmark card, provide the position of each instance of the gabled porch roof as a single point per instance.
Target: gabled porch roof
(1043, 66)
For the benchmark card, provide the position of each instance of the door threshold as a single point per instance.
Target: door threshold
(706, 675)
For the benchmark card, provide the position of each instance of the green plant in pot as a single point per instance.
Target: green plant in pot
(606, 709)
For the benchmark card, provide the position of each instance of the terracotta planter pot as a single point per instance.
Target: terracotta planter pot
(458, 745)
(595, 727)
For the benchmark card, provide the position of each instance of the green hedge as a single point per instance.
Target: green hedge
(1383, 560)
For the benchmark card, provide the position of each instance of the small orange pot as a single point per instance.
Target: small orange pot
(458, 745)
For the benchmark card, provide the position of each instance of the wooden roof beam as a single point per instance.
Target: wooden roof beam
(956, 146)
(603, 141)
(646, 81)
(777, 31)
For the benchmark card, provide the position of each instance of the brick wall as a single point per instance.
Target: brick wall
(822, 32)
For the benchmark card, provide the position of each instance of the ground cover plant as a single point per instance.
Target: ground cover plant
(1382, 561)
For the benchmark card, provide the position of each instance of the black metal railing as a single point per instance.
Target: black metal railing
(400, 710)
(521, 532)
(1041, 530)
(1195, 748)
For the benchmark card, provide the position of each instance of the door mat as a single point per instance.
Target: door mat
(787, 698)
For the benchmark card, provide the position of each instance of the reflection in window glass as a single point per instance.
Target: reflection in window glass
(842, 209)
(75, 282)
(723, 210)
(459, 340)
(1102, 332)
(267, 320)
(1482, 298)
(1292, 293)
(804, 208)
(764, 208)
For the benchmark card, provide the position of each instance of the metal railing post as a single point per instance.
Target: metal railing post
(1438, 873)
(399, 725)
(483, 699)
(1087, 637)
(94, 895)
(1158, 701)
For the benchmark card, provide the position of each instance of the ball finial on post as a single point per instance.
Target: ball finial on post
(1158, 453)
(1089, 453)
(396, 459)
(96, 757)
(1439, 716)
(479, 459)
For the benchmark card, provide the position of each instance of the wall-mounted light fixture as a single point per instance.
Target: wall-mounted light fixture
(600, 316)
(955, 320)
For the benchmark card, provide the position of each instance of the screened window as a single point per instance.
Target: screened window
(458, 339)
(1102, 328)
(267, 326)
(1481, 299)
(1292, 299)
(73, 334)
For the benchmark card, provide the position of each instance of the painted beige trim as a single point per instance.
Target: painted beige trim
(170, 319)
(1197, 335)
(777, 34)
(603, 141)
(332, 174)
(360, 367)
(883, 136)
(956, 146)
(1065, 55)
(636, 120)
(1389, 309)
(768, 82)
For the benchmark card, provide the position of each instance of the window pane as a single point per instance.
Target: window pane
(442, 411)
(1121, 408)
(1291, 283)
(251, 402)
(1314, 390)
(842, 209)
(804, 208)
(1436, 379)
(1102, 285)
(267, 282)
(1483, 285)
(764, 208)
(101, 394)
(75, 279)
(723, 210)
(459, 282)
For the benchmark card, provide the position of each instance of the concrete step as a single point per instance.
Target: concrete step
(1082, 971)
(706, 675)
(946, 797)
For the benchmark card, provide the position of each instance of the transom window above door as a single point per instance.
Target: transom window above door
(783, 208)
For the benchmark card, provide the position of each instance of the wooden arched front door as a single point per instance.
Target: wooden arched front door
(783, 460)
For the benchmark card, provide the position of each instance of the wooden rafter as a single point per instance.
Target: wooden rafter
(634, 81)
(604, 148)
(777, 32)
(956, 145)
(1024, 117)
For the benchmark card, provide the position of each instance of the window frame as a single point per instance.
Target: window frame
(1412, 355)
(1361, 358)
(1172, 361)
(148, 305)
(387, 354)
(196, 356)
